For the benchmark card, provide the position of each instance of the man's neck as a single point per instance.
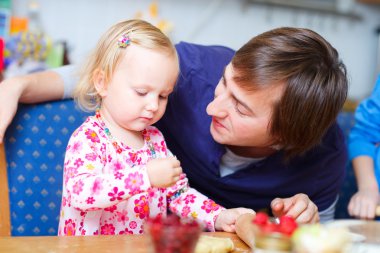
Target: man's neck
(254, 152)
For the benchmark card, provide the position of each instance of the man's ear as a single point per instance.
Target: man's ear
(100, 82)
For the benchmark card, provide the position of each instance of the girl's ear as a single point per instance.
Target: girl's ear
(100, 82)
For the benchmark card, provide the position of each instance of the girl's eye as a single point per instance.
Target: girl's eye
(163, 97)
(141, 92)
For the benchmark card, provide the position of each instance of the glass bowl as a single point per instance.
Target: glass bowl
(172, 235)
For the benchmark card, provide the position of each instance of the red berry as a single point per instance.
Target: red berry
(287, 225)
(270, 228)
(261, 219)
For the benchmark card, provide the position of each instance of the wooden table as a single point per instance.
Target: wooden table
(93, 244)
(370, 229)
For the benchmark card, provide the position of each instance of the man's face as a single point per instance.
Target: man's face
(241, 117)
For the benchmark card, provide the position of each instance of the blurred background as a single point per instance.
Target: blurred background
(41, 34)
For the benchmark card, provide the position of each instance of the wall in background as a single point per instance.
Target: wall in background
(226, 22)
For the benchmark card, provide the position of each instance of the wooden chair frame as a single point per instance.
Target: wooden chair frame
(5, 221)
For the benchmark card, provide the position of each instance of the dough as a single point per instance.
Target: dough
(209, 244)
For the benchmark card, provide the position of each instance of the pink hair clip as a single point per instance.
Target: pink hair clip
(124, 41)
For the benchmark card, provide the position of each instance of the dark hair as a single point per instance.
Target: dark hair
(314, 79)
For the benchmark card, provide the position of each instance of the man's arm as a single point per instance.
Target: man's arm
(32, 88)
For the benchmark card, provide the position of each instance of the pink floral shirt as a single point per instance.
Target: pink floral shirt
(106, 189)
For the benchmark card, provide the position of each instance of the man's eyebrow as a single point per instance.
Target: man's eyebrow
(233, 95)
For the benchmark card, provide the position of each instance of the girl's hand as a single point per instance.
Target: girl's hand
(363, 204)
(164, 172)
(299, 207)
(227, 218)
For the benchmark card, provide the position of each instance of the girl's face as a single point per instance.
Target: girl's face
(137, 94)
(241, 118)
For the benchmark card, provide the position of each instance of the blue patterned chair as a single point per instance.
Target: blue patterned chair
(35, 146)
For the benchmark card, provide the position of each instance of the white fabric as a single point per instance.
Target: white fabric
(70, 78)
(230, 163)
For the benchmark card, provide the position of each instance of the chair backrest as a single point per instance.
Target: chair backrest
(5, 226)
(35, 145)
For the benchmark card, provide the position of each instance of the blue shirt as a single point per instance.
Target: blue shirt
(365, 135)
(186, 126)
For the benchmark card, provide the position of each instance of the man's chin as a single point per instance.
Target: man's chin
(218, 139)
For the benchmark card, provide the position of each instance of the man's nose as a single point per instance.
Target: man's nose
(218, 107)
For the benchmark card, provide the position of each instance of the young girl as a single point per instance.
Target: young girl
(118, 170)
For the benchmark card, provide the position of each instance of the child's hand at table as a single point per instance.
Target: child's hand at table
(227, 218)
(164, 172)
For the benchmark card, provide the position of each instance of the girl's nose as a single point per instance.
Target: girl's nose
(152, 104)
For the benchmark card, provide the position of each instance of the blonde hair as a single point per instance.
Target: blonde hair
(107, 55)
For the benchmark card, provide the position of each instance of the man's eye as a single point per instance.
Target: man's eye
(238, 110)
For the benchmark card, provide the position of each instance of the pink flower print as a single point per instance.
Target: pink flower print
(91, 157)
(152, 193)
(92, 135)
(209, 206)
(115, 195)
(117, 165)
(83, 232)
(160, 201)
(96, 232)
(185, 211)
(141, 207)
(189, 198)
(64, 201)
(134, 181)
(132, 225)
(133, 157)
(70, 172)
(103, 148)
(118, 175)
(78, 187)
(110, 209)
(76, 147)
(163, 146)
(107, 229)
(78, 162)
(97, 186)
(69, 228)
(90, 200)
(125, 232)
(122, 216)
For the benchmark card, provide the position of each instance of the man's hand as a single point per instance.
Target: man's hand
(300, 207)
(227, 218)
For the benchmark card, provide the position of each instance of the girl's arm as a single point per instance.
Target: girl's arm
(188, 202)
(244, 229)
(93, 181)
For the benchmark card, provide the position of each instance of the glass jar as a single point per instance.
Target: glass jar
(271, 242)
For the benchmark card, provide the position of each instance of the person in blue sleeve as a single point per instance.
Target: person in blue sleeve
(363, 147)
(253, 128)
